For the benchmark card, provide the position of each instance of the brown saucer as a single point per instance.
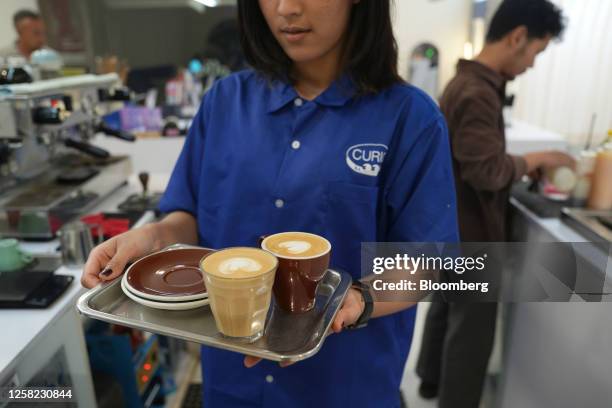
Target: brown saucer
(173, 272)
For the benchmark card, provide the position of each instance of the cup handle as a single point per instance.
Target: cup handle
(261, 239)
(26, 258)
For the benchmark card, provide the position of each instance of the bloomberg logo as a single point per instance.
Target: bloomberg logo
(366, 158)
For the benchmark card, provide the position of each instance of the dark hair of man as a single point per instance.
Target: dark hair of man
(370, 52)
(541, 17)
(23, 14)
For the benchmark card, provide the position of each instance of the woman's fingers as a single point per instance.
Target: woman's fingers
(98, 258)
(284, 364)
(350, 311)
(106, 262)
(116, 265)
(250, 361)
(89, 280)
(339, 321)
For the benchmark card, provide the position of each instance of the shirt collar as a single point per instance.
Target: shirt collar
(281, 93)
(483, 72)
(338, 94)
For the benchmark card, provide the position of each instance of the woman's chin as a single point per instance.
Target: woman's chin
(302, 56)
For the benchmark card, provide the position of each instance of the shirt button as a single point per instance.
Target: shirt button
(269, 379)
(295, 144)
(298, 102)
(279, 203)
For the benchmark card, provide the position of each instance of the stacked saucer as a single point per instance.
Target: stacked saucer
(168, 280)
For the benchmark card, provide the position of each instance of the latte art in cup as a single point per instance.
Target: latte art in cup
(238, 263)
(295, 247)
(239, 266)
(296, 244)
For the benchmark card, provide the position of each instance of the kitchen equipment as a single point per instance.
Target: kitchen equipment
(112, 223)
(595, 225)
(49, 172)
(144, 182)
(528, 194)
(144, 201)
(584, 173)
(600, 196)
(287, 337)
(31, 290)
(14, 75)
(33, 287)
(76, 242)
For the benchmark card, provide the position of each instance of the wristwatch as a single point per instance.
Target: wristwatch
(369, 305)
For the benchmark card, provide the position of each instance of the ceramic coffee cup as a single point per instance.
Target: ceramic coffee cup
(11, 257)
(303, 259)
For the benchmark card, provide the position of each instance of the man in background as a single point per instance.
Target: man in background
(458, 336)
(31, 35)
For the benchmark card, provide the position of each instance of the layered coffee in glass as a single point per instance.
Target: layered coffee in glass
(239, 284)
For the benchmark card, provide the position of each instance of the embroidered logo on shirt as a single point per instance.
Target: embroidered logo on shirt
(366, 158)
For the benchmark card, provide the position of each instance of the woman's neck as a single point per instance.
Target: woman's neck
(314, 77)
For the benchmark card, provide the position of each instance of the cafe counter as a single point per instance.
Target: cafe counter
(555, 354)
(50, 342)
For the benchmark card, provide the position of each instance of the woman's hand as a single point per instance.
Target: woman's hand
(108, 260)
(351, 309)
(348, 314)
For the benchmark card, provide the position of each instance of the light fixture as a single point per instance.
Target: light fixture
(208, 3)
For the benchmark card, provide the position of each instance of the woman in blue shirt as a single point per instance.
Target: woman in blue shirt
(321, 136)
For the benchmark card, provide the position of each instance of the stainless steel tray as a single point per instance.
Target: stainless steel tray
(287, 337)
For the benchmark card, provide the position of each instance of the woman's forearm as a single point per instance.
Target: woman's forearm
(177, 227)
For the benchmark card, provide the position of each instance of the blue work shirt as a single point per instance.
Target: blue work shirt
(352, 168)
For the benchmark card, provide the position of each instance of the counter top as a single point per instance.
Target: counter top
(558, 230)
(555, 230)
(25, 325)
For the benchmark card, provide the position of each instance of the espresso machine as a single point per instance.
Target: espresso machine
(50, 173)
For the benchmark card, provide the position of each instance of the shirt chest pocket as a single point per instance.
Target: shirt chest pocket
(350, 219)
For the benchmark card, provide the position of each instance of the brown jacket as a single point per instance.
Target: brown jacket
(472, 104)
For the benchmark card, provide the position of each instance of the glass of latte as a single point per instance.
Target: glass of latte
(303, 259)
(239, 283)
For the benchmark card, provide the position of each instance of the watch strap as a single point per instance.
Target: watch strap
(362, 321)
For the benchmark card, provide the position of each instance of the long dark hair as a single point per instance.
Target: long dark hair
(370, 56)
